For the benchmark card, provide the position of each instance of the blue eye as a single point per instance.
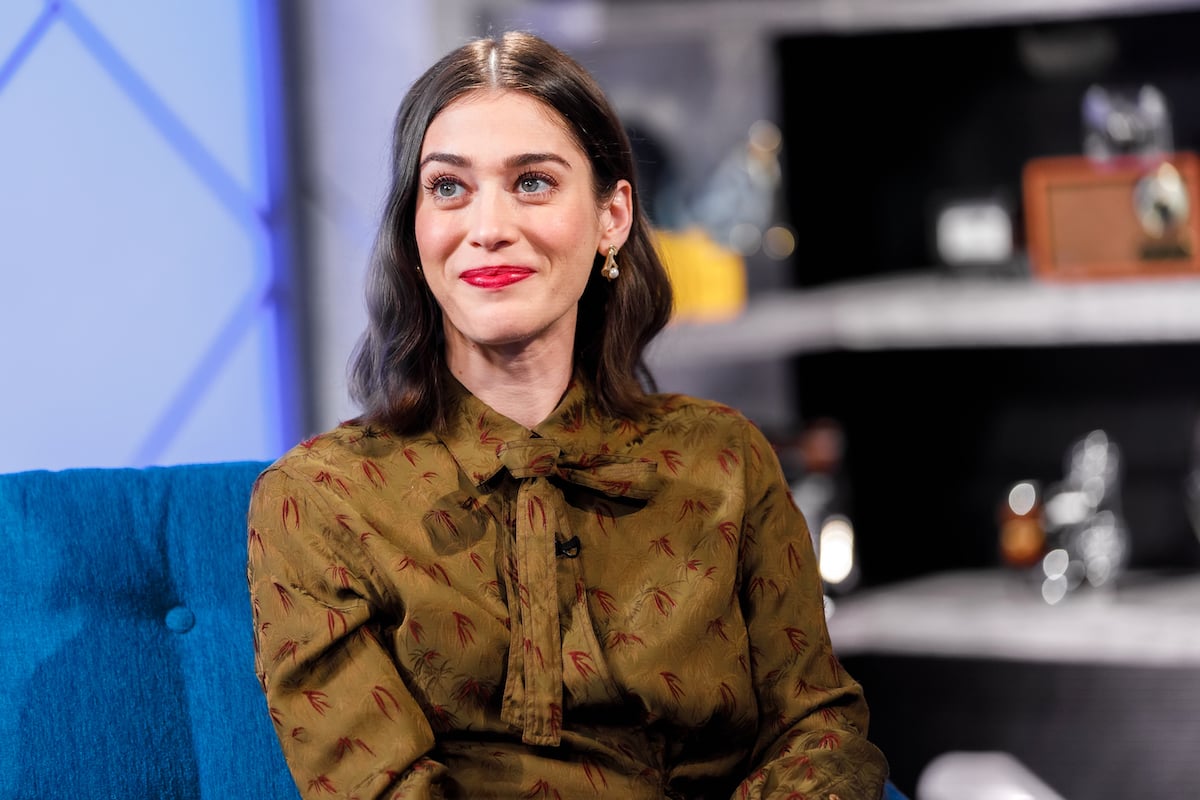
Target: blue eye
(446, 188)
(534, 184)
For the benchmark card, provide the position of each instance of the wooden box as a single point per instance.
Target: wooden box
(1130, 217)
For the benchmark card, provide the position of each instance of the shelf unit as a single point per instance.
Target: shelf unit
(932, 310)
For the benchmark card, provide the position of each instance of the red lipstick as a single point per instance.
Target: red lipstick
(495, 277)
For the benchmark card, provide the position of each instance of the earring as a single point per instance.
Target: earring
(609, 270)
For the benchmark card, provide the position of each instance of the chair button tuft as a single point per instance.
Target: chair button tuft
(180, 619)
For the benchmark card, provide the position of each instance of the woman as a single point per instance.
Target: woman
(519, 574)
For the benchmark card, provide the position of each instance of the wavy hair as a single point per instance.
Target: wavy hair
(398, 371)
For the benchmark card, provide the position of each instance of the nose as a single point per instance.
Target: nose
(492, 219)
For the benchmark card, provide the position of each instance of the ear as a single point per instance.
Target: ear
(616, 218)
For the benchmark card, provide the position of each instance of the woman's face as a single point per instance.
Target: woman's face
(507, 224)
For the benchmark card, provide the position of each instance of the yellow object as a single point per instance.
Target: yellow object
(709, 280)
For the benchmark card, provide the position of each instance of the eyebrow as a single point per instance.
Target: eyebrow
(522, 160)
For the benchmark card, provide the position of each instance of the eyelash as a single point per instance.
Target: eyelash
(435, 181)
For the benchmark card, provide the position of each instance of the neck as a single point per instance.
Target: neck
(524, 383)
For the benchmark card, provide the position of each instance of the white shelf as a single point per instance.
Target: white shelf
(939, 311)
(999, 614)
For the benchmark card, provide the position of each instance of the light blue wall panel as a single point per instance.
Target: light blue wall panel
(141, 244)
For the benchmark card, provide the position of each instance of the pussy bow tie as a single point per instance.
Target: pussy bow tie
(533, 690)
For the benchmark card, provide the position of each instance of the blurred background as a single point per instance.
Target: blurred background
(942, 251)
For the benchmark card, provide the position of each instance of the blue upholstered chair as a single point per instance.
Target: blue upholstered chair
(126, 663)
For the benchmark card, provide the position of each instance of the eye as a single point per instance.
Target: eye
(444, 187)
(535, 183)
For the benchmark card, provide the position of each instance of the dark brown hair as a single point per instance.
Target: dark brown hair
(398, 369)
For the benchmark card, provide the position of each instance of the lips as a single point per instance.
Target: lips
(495, 277)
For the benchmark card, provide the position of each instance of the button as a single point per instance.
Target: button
(180, 619)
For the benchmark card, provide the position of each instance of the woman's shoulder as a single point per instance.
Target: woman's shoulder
(351, 448)
(681, 407)
(697, 418)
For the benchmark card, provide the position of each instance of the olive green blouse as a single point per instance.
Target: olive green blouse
(592, 608)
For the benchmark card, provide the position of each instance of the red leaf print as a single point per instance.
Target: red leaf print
(672, 460)
(542, 789)
(662, 545)
(583, 663)
(441, 718)
(662, 600)
(437, 572)
(334, 618)
(346, 745)
(593, 773)
(606, 601)
(321, 784)
(386, 701)
(621, 638)
(308, 443)
(276, 715)
(717, 628)
(374, 473)
(618, 488)
(604, 514)
(728, 699)
(760, 585)
(410, 454)
(795, 562)
(534, 509)
(830, 741)
(324, 478)
(290, 511)
(485, 434)
(474, 691)
(289, 648)
(285, 597)
(476, 560)
(530, 650)
(572, 418)
(365, 633)
(463, 627)
(340, 574)
(796, 638)
(416, 629)
(442, 518)
(627, 426)
(254, 538)
(729, 532)
(727, 459)
(317, 701)
(691, 506)
(673, 684)
(541, 465)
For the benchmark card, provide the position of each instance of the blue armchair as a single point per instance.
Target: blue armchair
(127, 665)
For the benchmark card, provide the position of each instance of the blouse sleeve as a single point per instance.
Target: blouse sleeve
(347, 723)
(813, 732)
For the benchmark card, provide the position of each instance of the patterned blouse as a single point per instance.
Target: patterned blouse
(592, 608)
